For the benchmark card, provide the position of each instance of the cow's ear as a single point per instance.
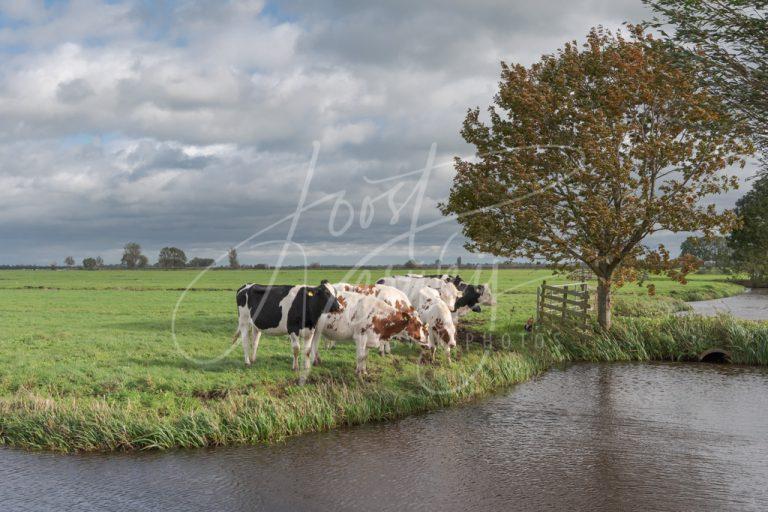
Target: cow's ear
(323, 282)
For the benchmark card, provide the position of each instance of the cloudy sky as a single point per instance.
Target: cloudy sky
(193, 123)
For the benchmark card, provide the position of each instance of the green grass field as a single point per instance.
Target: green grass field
(88, 360)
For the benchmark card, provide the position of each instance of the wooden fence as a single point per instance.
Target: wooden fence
(563, 305)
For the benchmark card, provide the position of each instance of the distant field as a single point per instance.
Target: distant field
(101, 342)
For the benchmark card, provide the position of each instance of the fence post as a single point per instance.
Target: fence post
(540, 302)
(585, 303)
(565, 303)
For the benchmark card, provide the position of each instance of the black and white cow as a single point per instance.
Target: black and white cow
(282, 309)
(472, 295)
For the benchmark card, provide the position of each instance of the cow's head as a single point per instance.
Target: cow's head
(469, 299)
(445, 332)
(474, 295)
(486, 297)
(325, 298)
(415, 328)
(449, 293)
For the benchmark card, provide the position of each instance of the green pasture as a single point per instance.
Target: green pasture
(92, 360)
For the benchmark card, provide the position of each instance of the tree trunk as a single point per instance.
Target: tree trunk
(604, 303)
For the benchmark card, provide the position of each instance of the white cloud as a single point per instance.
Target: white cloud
(352, 133)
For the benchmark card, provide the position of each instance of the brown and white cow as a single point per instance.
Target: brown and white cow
(368, 322)
(434, 313)
(390, 295)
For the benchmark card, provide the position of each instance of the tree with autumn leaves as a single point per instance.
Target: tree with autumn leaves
(589, 151)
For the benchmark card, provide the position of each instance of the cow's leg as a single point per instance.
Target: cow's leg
(315, 355)
(384, 348)
(434, 341)
(245, 339)
(309, 350)
(448, 353)
(424, 355)
(255, 343)
(296, 346)
(362, 355)
(306, 337)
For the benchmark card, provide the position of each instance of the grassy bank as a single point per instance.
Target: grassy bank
(667, 338)
(88, 362)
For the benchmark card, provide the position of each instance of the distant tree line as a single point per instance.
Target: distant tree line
(712, 251)
(174, 258)
(93, 263)
(168, 258)
(745, 249)
(132, 257)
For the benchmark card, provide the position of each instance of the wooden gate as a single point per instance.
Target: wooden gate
(563, 305)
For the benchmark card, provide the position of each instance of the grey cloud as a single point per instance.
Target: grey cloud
(73, 91)
(149, 156)
(23, 10)
(451, 35)
(49, 25)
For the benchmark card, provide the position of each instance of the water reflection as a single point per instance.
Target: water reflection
(590, 437)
